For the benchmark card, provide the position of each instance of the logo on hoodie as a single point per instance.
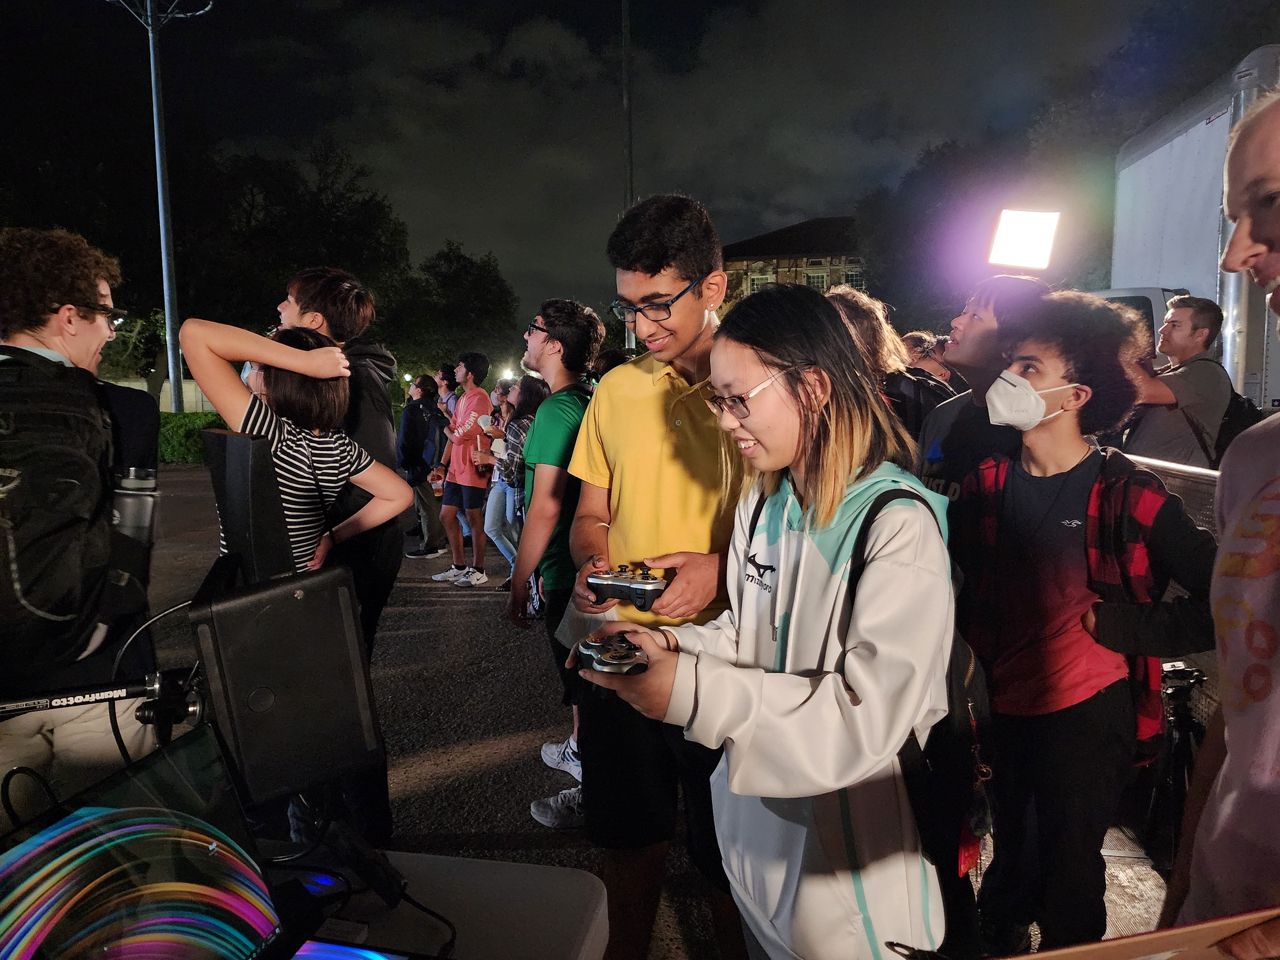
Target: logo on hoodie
(760, 570)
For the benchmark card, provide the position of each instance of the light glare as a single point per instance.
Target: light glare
(1024, 239)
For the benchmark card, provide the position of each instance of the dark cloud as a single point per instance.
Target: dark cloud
(498, 125)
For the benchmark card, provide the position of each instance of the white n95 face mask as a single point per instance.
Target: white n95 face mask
(1013, 402)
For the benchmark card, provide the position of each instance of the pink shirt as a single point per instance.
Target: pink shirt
(465, 435)
(1236, 865)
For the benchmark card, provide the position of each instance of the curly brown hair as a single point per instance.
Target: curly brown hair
(40, 270)
(1098, 341)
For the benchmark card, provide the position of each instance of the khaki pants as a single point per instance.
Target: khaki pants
(71, 747)
(428, 506)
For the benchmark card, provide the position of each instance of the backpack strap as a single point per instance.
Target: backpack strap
(1198, 431)
(864, 531)
(755, 516)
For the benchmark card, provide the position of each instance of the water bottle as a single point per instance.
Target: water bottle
(133, 507)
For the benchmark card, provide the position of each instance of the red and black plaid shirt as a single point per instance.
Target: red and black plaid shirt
(1123, 504)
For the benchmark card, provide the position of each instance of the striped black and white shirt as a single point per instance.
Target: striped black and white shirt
(311, 470)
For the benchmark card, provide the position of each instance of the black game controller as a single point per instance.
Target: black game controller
(639, 587)
(613, 654)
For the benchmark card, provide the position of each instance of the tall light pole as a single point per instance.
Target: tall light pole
(629, 192)
(153, 15)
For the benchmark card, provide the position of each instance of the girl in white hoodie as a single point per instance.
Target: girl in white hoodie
(811, 688)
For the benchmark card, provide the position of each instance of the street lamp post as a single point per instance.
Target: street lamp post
(146, 13)
(629, 194)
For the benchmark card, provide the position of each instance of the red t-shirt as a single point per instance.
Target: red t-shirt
(1040, 657)
(465, 435)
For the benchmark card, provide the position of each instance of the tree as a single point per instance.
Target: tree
(453, 303)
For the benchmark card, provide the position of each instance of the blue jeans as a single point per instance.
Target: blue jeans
(502, 520)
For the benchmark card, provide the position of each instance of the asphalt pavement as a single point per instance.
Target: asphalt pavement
(466, 701)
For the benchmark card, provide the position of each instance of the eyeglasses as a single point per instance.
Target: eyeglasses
(534, 326)
(115, 315)
(737, 405)
(653, 312)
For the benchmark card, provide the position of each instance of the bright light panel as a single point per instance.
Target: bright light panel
(1024, 239)
(507, 373)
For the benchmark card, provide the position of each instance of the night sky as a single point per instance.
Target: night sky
(499, 124)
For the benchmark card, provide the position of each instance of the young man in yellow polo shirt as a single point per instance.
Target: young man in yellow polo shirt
(654, 492)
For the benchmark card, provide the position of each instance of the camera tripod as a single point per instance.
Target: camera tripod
(1185, 734)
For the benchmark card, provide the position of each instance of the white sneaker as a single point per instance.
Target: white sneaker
(470, 577)
(561, 811)
(448, 576)
(562, 756)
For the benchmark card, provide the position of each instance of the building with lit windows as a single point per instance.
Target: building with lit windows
(820, 253)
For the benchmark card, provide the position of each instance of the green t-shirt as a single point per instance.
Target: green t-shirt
(550, 440)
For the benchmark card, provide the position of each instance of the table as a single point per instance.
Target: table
(503, 911)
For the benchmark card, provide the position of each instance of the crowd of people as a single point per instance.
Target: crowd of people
(833, 509)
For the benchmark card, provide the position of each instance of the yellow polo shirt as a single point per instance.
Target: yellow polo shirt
(650, 440)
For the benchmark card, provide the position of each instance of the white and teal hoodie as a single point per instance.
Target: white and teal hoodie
(812, 696)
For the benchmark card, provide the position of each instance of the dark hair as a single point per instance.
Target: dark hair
(609, 359)
(1009, 297)
(40, 270)
(425, 383)
(1098, 344)
(924, 342)
(668, 230)
(1205, 315)
(533, 390)
(578, 330)
(449, 377)
(477, 365)
(306, 402)
(347, 307)
(796, 329)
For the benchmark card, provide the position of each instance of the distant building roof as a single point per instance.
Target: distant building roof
(820, 237)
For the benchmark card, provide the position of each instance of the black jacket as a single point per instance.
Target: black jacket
(368, 421)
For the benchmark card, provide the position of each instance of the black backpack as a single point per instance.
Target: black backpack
(1241, 414)
(946, 780)
(914, 395)
(55, 513)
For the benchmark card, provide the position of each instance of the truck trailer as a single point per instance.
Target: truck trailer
(1170, 231)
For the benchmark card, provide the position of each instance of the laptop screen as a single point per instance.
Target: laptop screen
(152, 862)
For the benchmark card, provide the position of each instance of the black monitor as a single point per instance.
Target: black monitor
(247, 492)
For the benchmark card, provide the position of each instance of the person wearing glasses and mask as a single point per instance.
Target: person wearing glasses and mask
(814, 678)
(652, 468)
(1067, 552)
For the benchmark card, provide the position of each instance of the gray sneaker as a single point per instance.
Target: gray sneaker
(426, 553)
(448, 576)
(471, 577)
(561, 811)
(562, 756)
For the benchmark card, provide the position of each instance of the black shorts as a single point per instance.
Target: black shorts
(633, 769)
(464, 497)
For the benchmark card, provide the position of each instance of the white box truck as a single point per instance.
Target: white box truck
(1170, 232)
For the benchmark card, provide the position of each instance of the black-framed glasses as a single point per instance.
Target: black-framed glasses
(534, 326)
(737, 405)
(653, 312)
(115, 316)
